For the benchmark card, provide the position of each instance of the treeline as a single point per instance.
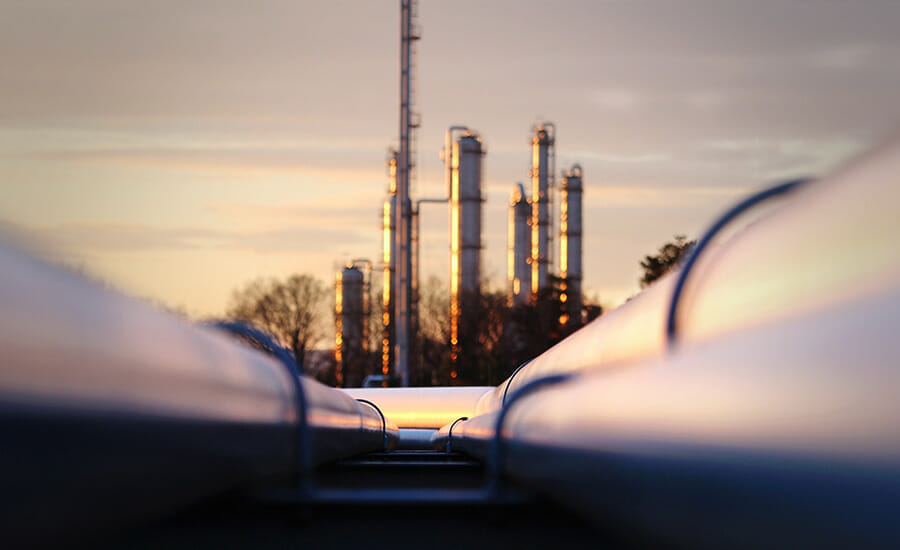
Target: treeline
(494, 337)
(497, 338)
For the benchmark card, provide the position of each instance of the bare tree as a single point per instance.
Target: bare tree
(291, 309)
(500, 337)
(433, 339)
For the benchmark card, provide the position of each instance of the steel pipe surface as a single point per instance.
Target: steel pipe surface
(111, 410)
(787, 433)
(423, 407)
(775, 419)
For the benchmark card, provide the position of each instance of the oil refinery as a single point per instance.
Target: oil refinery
(746, 399)
(530, 263)
(732, 393)
(534, 219)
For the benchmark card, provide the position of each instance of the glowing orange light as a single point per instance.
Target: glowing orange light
(453, 374)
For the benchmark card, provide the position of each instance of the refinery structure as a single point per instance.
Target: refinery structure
(351, 314)
(746, 399)
(537, 262)
(543, 156)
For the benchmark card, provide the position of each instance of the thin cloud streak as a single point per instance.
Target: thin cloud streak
(106, 237)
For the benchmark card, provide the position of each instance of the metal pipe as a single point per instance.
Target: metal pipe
(755, 422)
(786, 431)
(416, 245)
(423, 407)
(103, 395)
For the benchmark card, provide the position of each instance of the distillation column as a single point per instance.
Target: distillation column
(389, 258)
(465, 244)
(541, 172)
(350, 309)
(519, 248)
(570, 232)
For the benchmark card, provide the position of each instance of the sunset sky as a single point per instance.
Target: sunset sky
(179, 149)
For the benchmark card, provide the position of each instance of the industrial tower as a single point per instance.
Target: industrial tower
(389, 258)
(519, 247)
(531, 222)
(403, 266)
(351, 317)
(542, 169)
(465, 248)
(570, 231)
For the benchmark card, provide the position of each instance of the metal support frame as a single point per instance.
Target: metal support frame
(449, 447)
(383, 422)
(495, 456)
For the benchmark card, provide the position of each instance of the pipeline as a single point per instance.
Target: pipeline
(767, 414)
(112, 411)
(768, 417)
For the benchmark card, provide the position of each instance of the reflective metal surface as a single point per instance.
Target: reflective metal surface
(570, 232)
(775, 419)
(519, 248)
(542, 173)
(423, 407)
(389, 258)
(351, 320)
(633, 331)
(786, 432)
(111, 410)
(831, 241)
(465, 238)
(65, 342)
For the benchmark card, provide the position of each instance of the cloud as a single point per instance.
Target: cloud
(649, 197)
(311, 161)
(353, 211)
(113, 237)
(616, 100)
(778, 157)
(844, 57)
(621, 158)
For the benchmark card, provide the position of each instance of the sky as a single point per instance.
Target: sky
(179, 149)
